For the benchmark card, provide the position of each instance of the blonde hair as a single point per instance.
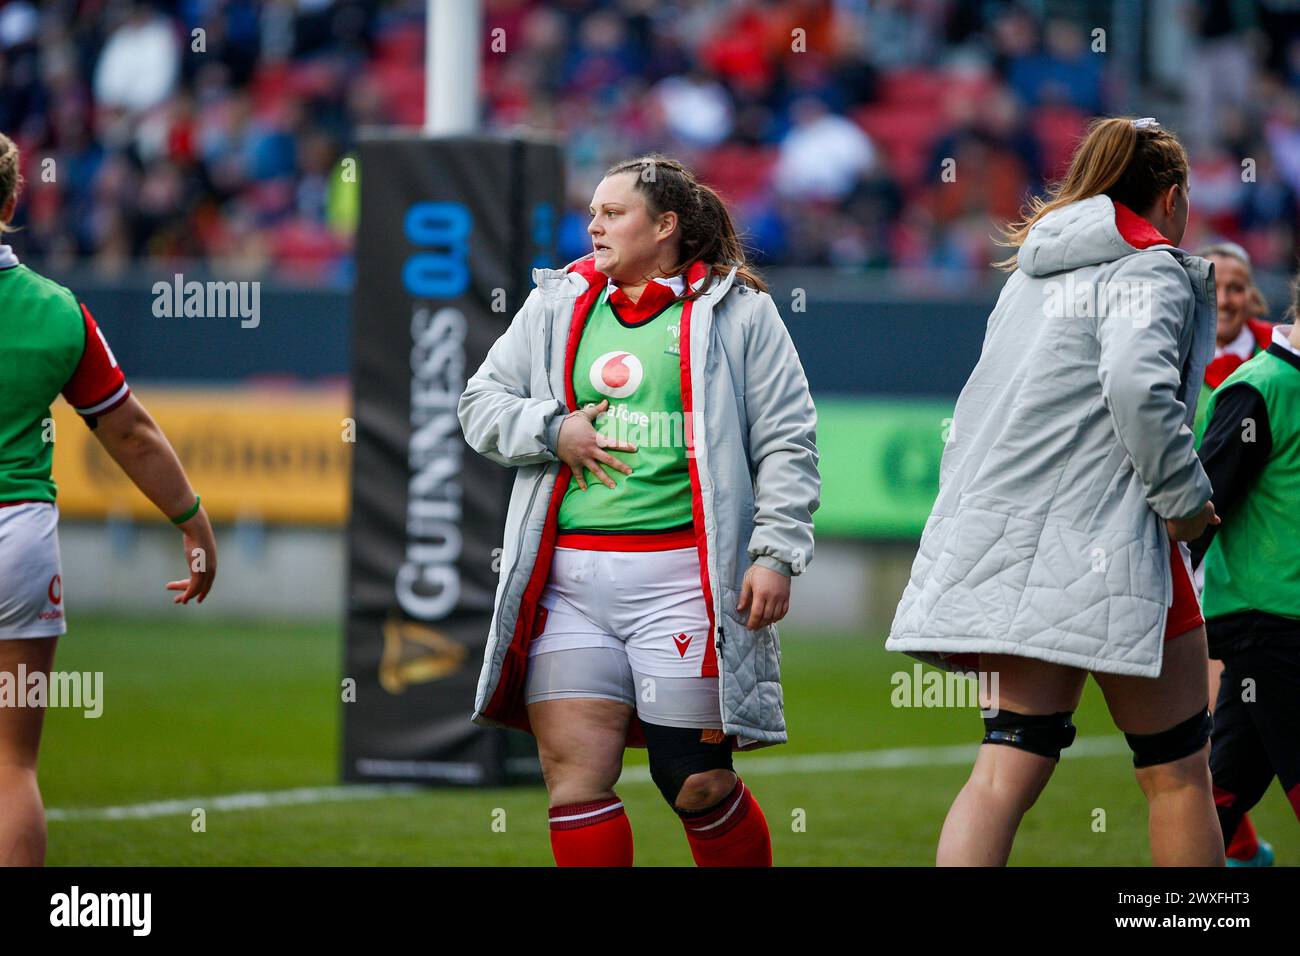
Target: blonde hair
(11, 179)
(1130, 161)
(1256, 303)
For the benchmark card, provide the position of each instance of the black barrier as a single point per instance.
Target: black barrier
(450, 230)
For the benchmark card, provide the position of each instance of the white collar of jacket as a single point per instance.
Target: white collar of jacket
(581, 274)
(676, 283)
(7, 258)
(1282, 339)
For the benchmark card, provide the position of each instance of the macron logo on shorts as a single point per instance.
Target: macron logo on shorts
(683, 643)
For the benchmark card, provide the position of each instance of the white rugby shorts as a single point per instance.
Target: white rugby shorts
(630, 626)
(31, 578)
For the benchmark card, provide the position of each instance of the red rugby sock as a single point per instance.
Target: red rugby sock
(1245, 844)
(734, 833)
(591, 834)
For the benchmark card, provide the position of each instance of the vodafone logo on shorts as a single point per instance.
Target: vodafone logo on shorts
(616, 374)
(55, 594)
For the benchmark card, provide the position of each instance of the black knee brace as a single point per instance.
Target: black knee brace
(1043, 734)
(678, 752)
(1177, 742)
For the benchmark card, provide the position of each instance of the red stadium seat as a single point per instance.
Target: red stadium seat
(738, 172)
(1058, 129)
(905, 134)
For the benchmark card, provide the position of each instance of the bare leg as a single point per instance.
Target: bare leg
(982, 823)
(1182, 822)
(580, 743)
(22, 815)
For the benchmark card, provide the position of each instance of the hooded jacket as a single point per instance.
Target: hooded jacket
(1070, 446)
(752, 458)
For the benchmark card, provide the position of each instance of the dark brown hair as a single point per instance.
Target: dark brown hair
(1130, 165)
(707, 232)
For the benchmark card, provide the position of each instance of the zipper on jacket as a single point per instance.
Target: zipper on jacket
(550, 323)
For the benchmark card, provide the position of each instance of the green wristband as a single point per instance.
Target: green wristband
(181, 519)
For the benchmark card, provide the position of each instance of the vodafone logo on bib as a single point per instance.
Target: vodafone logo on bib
(616, 374)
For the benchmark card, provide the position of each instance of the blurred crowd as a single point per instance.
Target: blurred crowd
(859, 134)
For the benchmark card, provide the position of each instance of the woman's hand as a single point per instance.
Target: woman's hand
(581, 447)
(767, 595)
(1189, 529)
(201, 556)
(133, 439)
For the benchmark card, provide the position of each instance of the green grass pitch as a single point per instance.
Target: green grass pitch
(195, 709)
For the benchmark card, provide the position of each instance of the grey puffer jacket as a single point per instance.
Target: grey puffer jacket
(1070, 445)
(754, 476)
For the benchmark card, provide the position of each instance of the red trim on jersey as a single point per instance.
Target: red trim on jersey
(655, 298)
(709, 667)
(1227, 363)
(1263, 332)
(97, 386)
(23, 501)
(1137, 230)
(1184, 609)
(628, 540)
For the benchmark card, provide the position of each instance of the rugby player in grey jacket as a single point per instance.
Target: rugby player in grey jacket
(735, 526)
(1054, 549)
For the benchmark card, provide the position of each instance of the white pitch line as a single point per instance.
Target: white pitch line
(236, 801)
(760, 765)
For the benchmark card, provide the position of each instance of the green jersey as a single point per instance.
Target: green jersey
(1251, 564)
(49, 343)
(637, 368)
(42, 335)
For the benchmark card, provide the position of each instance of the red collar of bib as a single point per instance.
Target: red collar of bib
(1136, 230)
(654, 298)
(586, 267)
